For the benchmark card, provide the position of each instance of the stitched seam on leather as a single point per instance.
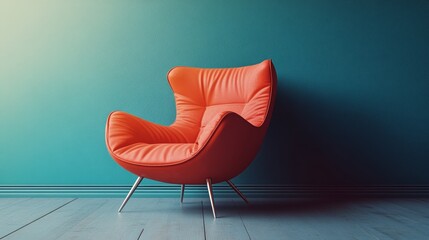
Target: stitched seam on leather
(226, 104)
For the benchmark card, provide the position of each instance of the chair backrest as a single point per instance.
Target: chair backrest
(202, 93)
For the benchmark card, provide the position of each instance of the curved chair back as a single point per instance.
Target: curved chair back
(202, 93)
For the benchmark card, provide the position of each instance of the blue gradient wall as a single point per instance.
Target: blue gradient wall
(353, 91)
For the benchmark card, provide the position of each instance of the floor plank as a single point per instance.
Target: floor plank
(384, 221)
(58, 222)
(414, 207)
(300, 219)
(174, 220)
(21, 213)
(106, 223)
(9, 202)
(228, 224)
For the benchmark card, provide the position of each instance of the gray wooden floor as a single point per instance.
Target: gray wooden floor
(166, 218)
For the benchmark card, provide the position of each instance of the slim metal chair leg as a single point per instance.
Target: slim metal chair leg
(237, 191)
(182, 192)
(210, 190)
(136, 184)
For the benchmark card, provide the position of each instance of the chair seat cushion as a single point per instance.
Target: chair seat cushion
(159, 154)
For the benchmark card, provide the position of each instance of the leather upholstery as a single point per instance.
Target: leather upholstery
(222, 116)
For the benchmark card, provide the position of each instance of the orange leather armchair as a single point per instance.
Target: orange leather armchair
(221, 119)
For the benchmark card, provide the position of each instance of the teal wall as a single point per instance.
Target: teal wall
(353, 97)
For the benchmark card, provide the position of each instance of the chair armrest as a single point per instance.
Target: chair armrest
(123, 129)
(220, 121)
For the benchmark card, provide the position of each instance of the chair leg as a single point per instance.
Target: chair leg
(237, 191)
(210, 190)
(136, 184)
(182, 193)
